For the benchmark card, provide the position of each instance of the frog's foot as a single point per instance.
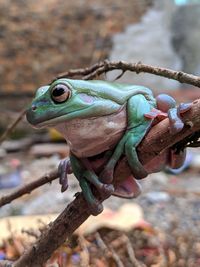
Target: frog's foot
(64, 169)
(167, 104)
(94, 204)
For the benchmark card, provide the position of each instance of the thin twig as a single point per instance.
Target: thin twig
(109, 251)
(12, 126)
(85, 256)
(78, 72)
(28, 188)
(116, 258)
(131, 253)
(163, 261)
(105, 66)
(100, 242)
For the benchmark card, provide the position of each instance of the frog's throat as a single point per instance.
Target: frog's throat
(87, 137)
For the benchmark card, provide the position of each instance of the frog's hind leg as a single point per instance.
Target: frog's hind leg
(87, 177)
(95, 206)
(138, 126)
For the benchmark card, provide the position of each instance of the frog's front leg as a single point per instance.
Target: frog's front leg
(87, 177)
(106, 176)
(138, 125)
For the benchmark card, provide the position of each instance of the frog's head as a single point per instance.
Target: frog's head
(58, 102)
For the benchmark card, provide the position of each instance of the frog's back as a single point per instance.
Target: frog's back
(110, 90)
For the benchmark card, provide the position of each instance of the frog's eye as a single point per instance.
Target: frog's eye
(60, 93)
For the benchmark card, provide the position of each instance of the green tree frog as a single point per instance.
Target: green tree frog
(103, 122)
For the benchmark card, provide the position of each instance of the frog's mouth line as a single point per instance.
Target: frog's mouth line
(54, 121)
(82, 114)
(41, 123)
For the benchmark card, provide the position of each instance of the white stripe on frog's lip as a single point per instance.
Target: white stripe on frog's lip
(51, 122)
(54, 121)
(69, 116)
(58, 119)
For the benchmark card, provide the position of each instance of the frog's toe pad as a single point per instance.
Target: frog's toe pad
(64, 169)
(96, 208)
(129, 188)
(107, 190)
(64, 186)
(176, 127)
(183, 107)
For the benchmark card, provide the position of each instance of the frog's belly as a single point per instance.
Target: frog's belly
(91, 136)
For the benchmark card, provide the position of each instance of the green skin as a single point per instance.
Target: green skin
(92, 99)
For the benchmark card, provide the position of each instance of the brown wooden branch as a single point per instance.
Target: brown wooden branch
(157, 139)
(102, 67)
(28, 188)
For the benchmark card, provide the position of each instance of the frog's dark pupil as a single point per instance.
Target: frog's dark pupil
(58, 91)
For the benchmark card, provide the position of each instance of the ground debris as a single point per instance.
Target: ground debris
(139, 247)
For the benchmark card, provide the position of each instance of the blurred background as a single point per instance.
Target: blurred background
(42, 38)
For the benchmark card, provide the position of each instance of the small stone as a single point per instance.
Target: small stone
(157, 196)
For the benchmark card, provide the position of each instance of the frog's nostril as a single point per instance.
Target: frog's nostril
(34, 107)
